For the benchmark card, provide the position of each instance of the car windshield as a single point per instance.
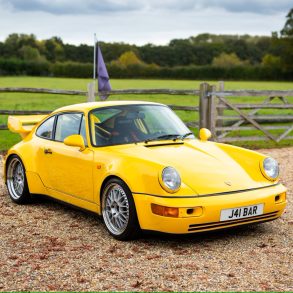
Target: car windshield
(135, 123)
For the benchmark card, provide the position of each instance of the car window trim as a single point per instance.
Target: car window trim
(83, 116)
(53, 129)
(79, 128)
(55, 115)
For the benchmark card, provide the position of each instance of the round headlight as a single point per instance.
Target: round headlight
(271, 168)
(171, 179)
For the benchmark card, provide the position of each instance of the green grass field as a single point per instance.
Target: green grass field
(20, 101)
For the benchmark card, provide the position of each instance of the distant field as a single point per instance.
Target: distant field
(19, 101)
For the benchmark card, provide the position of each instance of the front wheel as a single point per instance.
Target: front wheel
(16, 181)
(118, 210)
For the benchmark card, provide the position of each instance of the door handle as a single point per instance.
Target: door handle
(48, 151)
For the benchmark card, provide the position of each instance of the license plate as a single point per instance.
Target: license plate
(241, 212)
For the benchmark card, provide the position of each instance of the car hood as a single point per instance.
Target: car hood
(203, 166)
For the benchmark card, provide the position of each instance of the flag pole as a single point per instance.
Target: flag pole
(92, 85)
(95, 56)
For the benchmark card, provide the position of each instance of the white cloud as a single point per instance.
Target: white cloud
(254, 6)
(140, 22)
(102, 6)
(70, 6)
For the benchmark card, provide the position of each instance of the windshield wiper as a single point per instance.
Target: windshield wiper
(164, 136)
(170, 136)
(185, 135)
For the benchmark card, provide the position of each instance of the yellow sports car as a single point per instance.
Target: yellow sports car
(138, 166)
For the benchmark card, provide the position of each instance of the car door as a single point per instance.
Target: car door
(65, 168)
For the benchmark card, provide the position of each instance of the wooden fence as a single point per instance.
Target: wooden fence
(213, 104)
(91, 97)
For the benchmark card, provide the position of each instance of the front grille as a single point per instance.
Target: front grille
(214, 225)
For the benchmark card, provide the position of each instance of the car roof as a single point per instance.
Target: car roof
(92, 105)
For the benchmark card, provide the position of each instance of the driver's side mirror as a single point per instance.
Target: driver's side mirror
(204, 134)
(75, 140)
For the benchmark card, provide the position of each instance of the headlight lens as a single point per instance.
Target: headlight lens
(171, 179)
(271, 168)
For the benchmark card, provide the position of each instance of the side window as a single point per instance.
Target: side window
(67, 124)
(45, 130)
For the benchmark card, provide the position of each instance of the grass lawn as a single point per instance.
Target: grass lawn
(20, 101)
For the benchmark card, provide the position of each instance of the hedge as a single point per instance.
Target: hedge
(84, 70)
(20, 67)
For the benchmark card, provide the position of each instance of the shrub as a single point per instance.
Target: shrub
(72, 69)
(21, 67)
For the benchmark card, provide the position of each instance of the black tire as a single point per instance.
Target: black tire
(118, 210)
(16, 181)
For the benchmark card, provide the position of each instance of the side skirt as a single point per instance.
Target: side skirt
(71, 200)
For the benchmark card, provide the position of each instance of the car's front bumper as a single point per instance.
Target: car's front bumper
(209, 218)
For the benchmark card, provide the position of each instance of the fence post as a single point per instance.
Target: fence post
(91, 91)
(203, 105)
(220, 111)
(211, 112)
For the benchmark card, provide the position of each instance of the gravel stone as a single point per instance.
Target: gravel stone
(47, 246)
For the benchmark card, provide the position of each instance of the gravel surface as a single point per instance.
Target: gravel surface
(47, 246)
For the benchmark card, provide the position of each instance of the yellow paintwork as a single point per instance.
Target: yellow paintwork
(75, 140)
(204, 134)
(76, 176)
(23, 124)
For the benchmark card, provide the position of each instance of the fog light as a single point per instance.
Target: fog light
(165, 211)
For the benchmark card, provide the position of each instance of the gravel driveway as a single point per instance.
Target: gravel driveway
(46, 246)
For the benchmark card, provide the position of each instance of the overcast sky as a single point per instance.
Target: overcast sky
(140, 21)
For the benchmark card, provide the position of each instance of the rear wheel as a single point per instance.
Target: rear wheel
(118, 210)
(16, 180)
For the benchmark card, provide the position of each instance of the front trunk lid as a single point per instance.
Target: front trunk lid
(203, 166)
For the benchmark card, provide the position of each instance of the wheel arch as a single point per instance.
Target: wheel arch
(132, 229)
(108, 178)
(19, 196)
(25, 164)
(7, 159)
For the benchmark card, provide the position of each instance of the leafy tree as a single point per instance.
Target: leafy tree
(271, 61)
(29, 53)
(11, 45)
(228, 60)
(82, 53)
(287, 30)
(128, 58)
(112, 51)
(2, 48)
(284, 45)
(53, 49)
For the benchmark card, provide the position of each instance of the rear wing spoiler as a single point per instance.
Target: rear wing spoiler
(23, 125)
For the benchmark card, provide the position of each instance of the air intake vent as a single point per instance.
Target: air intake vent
(162, 144)
(215, 225)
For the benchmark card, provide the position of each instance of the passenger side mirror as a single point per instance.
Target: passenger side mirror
(75, 140)
(204, 134)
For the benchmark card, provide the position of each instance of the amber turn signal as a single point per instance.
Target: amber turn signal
(165, 211)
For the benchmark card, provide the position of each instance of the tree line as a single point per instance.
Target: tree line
(201, 56)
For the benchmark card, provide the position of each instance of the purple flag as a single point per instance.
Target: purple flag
(102, 73)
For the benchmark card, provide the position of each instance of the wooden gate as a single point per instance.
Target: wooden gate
(245, 117)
